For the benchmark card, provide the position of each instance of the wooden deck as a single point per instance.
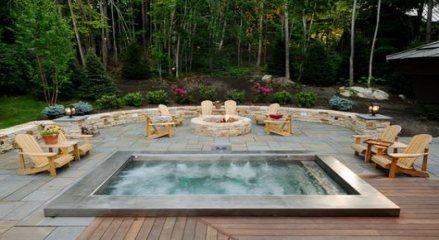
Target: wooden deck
(419, 219)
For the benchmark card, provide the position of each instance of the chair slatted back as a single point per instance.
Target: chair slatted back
(391, 133)
(230, 107)
(273, 108)
(63, 138)
(29, 144)
(418, 144)
(206, 107)
(164, 111)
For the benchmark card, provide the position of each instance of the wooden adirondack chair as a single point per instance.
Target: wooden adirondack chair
(42, 161)
(404, 162)
(206, 107)
(283, 127)
(84, 148)
(178, 118)
(261, 116)
(390, 134)
(159, 129)
(230, 108)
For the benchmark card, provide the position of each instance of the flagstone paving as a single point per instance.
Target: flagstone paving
(22, 198)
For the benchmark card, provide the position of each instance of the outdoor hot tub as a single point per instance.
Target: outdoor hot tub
(226, 184)
(221, 126)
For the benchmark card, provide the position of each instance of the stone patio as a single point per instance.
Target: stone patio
(22, 198)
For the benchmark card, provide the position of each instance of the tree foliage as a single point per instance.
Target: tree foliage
(97, 81)
(176, 37)
(43, 35)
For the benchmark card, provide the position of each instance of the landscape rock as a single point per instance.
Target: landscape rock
(361, 92)
(345, 92)
(283, 82)
(267, 78)
(380, 95)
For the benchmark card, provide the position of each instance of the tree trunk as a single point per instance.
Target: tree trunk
(113, 31)
(249, 53)
(351, 58)
(239, 42)
(372, 49)
(142, 8)
(177, 58)
(223, 31)
(103, 35)
(287, 46)
(75, 28)
(419, 19)
(261, 18)
(429, 19)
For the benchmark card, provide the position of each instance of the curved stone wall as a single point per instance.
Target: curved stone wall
(108, 119)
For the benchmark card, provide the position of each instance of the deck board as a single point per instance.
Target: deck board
(419, 219)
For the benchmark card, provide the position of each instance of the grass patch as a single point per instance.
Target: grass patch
(16, 110)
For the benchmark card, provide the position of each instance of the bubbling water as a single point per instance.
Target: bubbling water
(146, 178)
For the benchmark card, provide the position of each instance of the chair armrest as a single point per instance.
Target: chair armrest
(406, 155)
(38, 154)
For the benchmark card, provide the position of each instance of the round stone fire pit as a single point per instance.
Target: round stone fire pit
(216, 126)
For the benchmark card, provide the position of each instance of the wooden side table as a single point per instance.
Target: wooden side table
(381, 146)
(64, 147)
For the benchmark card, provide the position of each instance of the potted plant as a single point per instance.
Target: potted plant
(50, 134)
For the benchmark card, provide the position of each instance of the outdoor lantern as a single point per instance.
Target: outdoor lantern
(374, 108)
(70, 111)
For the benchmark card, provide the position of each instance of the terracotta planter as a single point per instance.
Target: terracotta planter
(51, 139)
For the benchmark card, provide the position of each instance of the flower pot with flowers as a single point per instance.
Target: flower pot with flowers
(50, 134)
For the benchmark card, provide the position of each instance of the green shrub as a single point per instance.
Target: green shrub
(237, 71)
(317, 67)
(236, 95)
(97, 82)
(134, 99)
(53, 112)
(207, 93)
(83, 108)
(110, 102)
(157, 97)
(306, 99)
(429, 111)
(339, 103)
(134, 64)
(282, 97)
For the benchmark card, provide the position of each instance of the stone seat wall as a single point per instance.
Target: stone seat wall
(102, 120)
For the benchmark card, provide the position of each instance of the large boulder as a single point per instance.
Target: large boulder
(380, 95)
(283, 82)
(361, 92)
(267, 79)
